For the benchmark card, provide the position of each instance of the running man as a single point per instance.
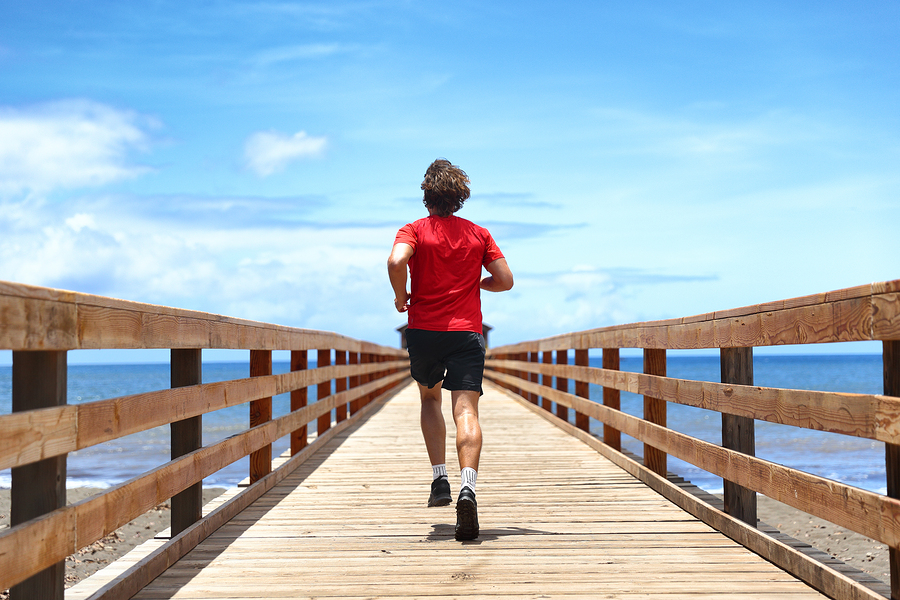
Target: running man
(445, 255)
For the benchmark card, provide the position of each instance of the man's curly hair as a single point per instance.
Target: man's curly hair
(446, 188)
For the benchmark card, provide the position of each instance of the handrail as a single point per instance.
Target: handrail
(40, 325)
(869, 312)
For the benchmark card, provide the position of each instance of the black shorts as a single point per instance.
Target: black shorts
(456, 357)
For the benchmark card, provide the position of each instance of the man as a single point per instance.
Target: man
(445, 255)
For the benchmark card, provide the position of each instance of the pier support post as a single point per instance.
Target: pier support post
(546, 380)
(738, 433)
(185, 368)
(354, 382)
(299, 437)
(612, 437)
(39, 380)
(655, 410)
(891, 359)
(533, 378)
(323, 390)
(582, 390)
(562, 384)
(340, 385)
(260, 412)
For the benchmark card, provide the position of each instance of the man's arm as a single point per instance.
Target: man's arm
(500, 278)
(397, 262)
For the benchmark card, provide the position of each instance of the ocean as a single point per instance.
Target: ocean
(850, 460)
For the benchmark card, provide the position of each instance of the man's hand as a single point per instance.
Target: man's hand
(402, 303)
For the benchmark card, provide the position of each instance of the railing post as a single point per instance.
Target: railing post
(354, 382)
(562, 384)
(260, 412)
(533, 397)
(891, 360)
(299, 437)
(547, 380)
(323, 390)
(185, 368)
(612, 398)
(523, 375)
(738, 433)
(340, 385)
(582, 390)
(655, 410)
(39, 380)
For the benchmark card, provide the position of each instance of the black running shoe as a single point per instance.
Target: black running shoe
(466, 515)
(440, 492)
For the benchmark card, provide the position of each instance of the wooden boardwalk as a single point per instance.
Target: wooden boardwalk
(557, 520)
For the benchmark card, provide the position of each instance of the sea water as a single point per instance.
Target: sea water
(855, 461)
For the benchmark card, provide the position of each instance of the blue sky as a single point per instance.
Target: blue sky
(634, 160)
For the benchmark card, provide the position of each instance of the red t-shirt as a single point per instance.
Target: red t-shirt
(445, 272)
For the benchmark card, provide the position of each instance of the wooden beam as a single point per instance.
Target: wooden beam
(185, 367)
(738, 433)
(583, 390)
(323, 390)
(869, 416)
(611, 399)
(868, 513)
(260, 413)
(562, 358)
(546, 380)
(299, 437)
(39, 380)
(655, 409)
(891, 362)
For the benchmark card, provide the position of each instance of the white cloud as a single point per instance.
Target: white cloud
(67, 144)
(267, 152)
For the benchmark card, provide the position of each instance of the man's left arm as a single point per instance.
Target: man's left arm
(399, 258)
(500, 279)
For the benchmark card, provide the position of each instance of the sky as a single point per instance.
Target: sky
(633, 160)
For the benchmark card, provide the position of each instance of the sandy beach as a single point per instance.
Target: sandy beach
(851, 548)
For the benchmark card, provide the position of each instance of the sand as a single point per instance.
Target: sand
(854, 549)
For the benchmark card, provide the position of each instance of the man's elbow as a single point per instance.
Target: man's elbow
(506, 283)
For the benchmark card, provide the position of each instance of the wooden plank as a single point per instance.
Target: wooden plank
(583, 390)
(862, 415)
(300, 436)
(138, 575)
(822, 577)
(738, 433)
(611, 398)
(186, 436)
(323, 390)
(260, 413)
(891, 364)
(655, 409)
(864, 512)
(562, 358)
(337, 536)
(39, 381)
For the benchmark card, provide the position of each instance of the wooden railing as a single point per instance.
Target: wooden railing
(40, 325)
(870, 312)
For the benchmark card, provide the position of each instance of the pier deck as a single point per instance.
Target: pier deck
(557, 520)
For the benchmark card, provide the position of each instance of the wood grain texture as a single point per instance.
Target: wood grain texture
(827, 578)
(38, 318)
(868, 513)
(868, 312)
(327, 531)
(870, 416)
(738, 433)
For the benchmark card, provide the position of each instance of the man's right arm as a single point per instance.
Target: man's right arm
(400, 255)
(500, 278)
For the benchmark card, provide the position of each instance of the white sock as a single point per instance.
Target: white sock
(439, 470)
(468, 476)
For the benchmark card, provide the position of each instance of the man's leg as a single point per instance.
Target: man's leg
(468, 449)
(468, 430)
(433, 427)
(434, 431)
